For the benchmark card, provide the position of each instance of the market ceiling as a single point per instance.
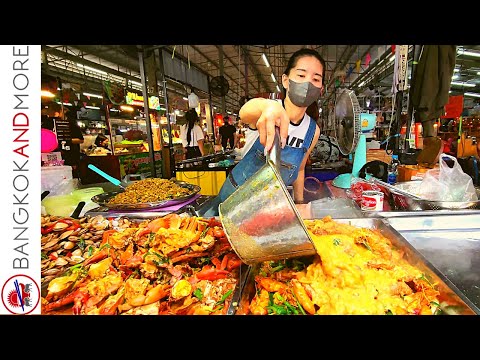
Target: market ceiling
(254, 69)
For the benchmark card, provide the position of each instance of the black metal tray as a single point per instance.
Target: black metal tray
(102, 199)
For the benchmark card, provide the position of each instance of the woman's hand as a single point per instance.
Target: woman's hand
(265, 114)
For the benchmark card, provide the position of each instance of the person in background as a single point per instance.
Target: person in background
(303, 81)
(192, 136)
(71, 153)
(227, 133)
(102, 141)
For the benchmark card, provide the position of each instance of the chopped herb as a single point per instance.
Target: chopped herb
(336, 242)
(198, 294)
(297, 265)
(151, 236)
(423, 277)
(90, 250)
(204, 232)
(277, 268)
(366, 245)
(300, 307)
(224, 297)
(262, 273)
(388, 312)
(203, 260)
(107, 245)
(81, 243)
(44, 256)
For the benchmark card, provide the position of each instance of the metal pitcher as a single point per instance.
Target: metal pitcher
(260, 218)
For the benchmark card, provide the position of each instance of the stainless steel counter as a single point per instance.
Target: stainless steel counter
(451, 242)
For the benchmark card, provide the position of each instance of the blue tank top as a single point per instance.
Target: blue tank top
(254, 159)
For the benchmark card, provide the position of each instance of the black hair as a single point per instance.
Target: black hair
(312, 110)
(99, 139)
(192, 117)
(292, 62)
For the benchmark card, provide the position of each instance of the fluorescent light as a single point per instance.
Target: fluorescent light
(278, 88)
(478, 73)
(361, 84)
(136, 82)
(116, 110)
(391, 58)
(468, 53)
(229, 112)
(126, 108)
(184, 98)
(46, 93)
(92, 107)
(92, 69)
(455, 77)
(449, 91)
(273, 77)
(456, 83)
(93, 95)
(472, 94)
(265, 60)
(456, 70)
(68, 104)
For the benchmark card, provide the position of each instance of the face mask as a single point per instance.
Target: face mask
(302, 94)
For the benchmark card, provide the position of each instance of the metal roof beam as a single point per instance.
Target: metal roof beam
(254, 67)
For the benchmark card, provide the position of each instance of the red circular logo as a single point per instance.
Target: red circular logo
(20, 294)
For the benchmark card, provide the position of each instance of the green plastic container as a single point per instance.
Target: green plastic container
(87, 193)
(60, 205)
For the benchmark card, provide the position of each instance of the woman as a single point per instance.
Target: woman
(192, 136)
(303, 84)
(102, 141)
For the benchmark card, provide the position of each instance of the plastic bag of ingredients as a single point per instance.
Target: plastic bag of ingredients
(447, 183)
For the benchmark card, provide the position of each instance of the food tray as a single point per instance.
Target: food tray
(452, 300)
(102, 199)
(189, 211)
(403, 202)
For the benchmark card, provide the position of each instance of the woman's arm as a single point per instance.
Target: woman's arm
(200, 146)
(200, 138)
(299, 183)
(264, 115)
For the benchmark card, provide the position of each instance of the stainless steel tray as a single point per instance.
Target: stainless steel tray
(102, 199)
(452, 300)
(451, 243)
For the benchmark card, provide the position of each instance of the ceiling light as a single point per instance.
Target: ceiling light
(126, 108)
(93, 95)
(184, 98)
(478, 73)
(273, 77)
(229, 112)
(46, 93)
(472, 94)
(468, 53)
(456, 83)
(68, 104)
(92, 107)
(136, 83)
(456, 70)
(455, 77)
(92, 69)
(391, 58)
(278, 88)
(265, 60)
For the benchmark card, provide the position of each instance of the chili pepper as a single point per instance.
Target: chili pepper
(53, 256)
(210, 273)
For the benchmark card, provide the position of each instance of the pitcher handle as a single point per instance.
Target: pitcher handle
(274, 153)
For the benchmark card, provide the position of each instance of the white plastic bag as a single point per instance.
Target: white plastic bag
(447, 184)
